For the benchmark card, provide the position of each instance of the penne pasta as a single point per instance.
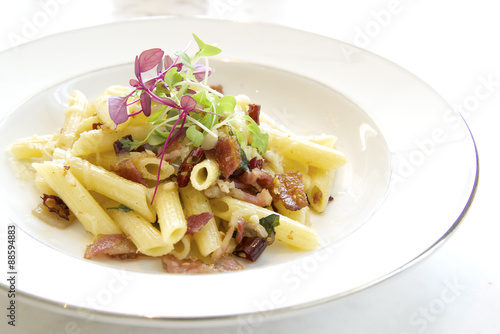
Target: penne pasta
(172, 167)
(302, 150)
(289, 231)
(171, 217)
(303, 215)
(149, 167)
(95, 141)
(182, 247)
(33, 147)
(143, 234)
(129, 193)
(208, 238)
(90, 214)
(76, 112)
(320, 187)
(205, 174)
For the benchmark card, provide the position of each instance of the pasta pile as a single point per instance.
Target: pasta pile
(133, 199)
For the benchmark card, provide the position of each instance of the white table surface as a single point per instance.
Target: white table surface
(451, 45)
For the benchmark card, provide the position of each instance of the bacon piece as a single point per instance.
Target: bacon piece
(218, 88)
(196, 222)
(228, 155)
(56, 205)
(192, 265)
(254, 112)
(127, 169)
(174, 150)
(263, 198)
(240, 230)
(255, 163)
(227, 263)
(289, 189)
(251, 248)
(257, 178)
(195, 156)
(115, 245)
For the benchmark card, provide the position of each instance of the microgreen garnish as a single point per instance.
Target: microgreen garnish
(173, 93)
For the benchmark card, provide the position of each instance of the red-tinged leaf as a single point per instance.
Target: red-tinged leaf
(159, 68)
(169, 102)
(146, 103)
(150, 83)
(200, 71)
(137, 68)
(188, 103)
(149, 59)
(167, 61)
(118, 108)
(134, 83)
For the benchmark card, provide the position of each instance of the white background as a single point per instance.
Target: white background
(451, 45)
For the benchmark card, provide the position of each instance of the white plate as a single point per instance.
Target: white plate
(411, 175)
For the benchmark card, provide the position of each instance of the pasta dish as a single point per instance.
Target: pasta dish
(173, 168)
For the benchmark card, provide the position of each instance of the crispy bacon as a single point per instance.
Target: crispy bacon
(192, 265)
(174, 150)
(196, 222)
(251, 248)
(56, 205)
(263, 198)
(115, 245)
(254, 112)
(240, 230)
(227, 263)
(127, 169)
(255, 163)
(256, 178)
(289, 189)
(228, 155)
(218, 88)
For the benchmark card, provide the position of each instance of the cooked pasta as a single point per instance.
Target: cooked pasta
(173, 168)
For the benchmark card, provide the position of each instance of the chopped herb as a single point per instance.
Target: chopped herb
(121, 207)
(270, 222)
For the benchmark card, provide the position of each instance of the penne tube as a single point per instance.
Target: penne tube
(208, 238)
(142, 233)
(182, 247)
(289, 231)
(107, 183)
(32, 147)
(320, 187)
(75, 113)
(67, 187)
(149, 165)
(99, 140)
(171, 217)
(204, 174)
(302, 150)
(324, 140)
(303, 215)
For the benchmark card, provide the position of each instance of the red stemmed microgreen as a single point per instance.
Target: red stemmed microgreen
(170, 87)
(183, 102)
